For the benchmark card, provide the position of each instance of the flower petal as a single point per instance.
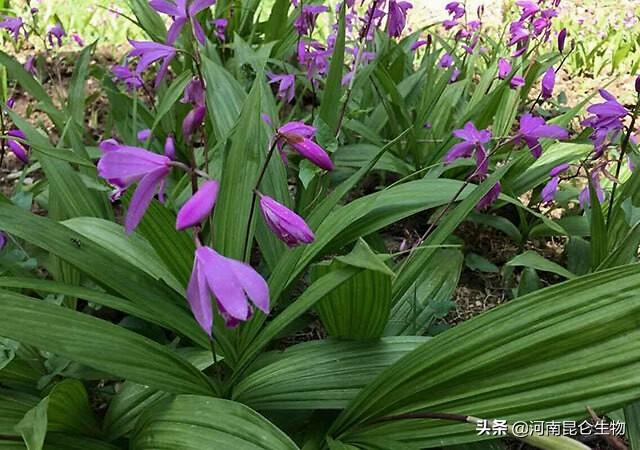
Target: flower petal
(199, 206)
(199, 299)
(142, 198)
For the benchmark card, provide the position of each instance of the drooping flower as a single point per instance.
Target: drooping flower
(194, 93)
(123, 166)
(446, 61)
(473, 141)
(13, 25)
(456, 9)
(286, 86)
(532, 129)
(562, 36)
(397, 17)
(490, 197)
(606, 121)
(548, 193)
(299, 136)
(585, 195)
(30, 65)
(516, 81)
(199, 206)
(77, 39)
(149, 52)
(56, 32)
(529, 8)
(18, 148)
(125, 75)
(289, 227)
(419, 43)
(548, 83)
(192, 121)
(232, 283)
(306, 21)
(220, 28)
(182, 11)
(504, 68)
(144, 135)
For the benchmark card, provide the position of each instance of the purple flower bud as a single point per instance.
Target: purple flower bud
(504, 68)
(287, 225)
(517, 81)
(30, 65)
(11, 102)
(199, 206)
(34, 11)
(446, 61)
(548, 83)
(562, 36)
(548, 193)
(638, 84)
(3, 240)
(298, 135)
(192, 121)
(19, 149)
(170, 148)
(194, 93)
(490, 197)
(78, 40)
(144, 135)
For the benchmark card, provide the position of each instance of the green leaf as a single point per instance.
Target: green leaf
(539, 262)
(171, 97)
(148, 19)
(358, 309)
(479, 263)
(320, 375)
(104, 267)
(330, 106)
(75, 102)
(191, 422)
(599, 237)
(97, 344)
(33, 427)
(632, 421)
(69, 409)
(533, 359)
(430, 296)
(13, 406)
(240, 172)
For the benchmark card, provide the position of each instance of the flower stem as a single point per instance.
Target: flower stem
(623, 150)
(255, 195)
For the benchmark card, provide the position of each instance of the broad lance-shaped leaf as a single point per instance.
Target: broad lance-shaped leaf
(192, 422)
(546, 355)
(358, 309)
(430, 296)
(105, 267)
(320, 374)
(98, 344)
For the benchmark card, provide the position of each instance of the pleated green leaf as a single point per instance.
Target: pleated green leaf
(546, 355)
(190, 422)
(97, 344)
(358, 309)
(320, 375)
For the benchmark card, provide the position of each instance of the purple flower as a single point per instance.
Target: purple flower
(455, 73)
(529, 8)
(11, 102)
(199, 206)
(548, 193)
(3, 240)
(287, 225)
(516, 82)
(192, 121)
(472, 143)
(30, 65)
(56, 32)
(149, 52)
(606, 121)
(123, 166)
(20, 149)
(490, 197)
(446, 61)
(533, 128)
(298, 136)
(637, 85)
(13, 25)
(78, 40)
(181, 12)
(504, 68)
(548, 83)
(170, 148)
(129, 78)
(585, 196)
(449, 24)
(144, 135)
(562, 36)
(194, 93)
(221, 26)
(306, 21)
(417, 44)
(286, 87)
(397, 18)
(314, 56)
(230, 282)
(455, 9)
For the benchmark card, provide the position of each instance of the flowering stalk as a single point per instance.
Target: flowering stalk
(623, 150)
(254, 194)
